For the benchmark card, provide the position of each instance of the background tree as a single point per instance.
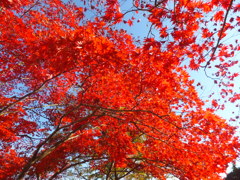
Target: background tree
(79, 95)
(235, 174)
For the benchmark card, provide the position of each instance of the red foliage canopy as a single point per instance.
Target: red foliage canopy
(77, 91)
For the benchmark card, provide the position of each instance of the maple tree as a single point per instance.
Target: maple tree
(79, 92)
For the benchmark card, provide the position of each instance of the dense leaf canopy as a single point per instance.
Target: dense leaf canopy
(80, 96)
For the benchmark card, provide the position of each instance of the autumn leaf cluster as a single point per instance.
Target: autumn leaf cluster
(77, 91)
